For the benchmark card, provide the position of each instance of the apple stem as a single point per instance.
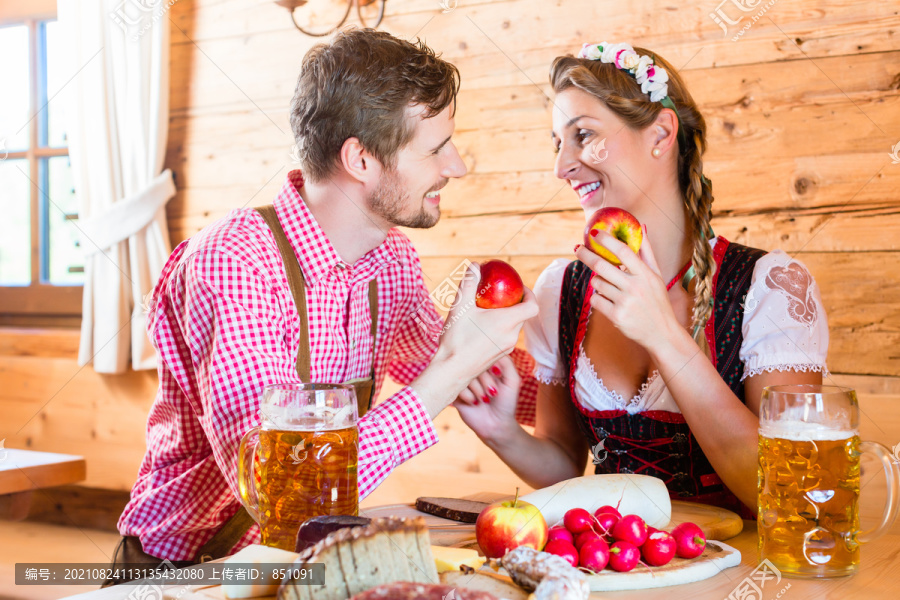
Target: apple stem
(699, 540)
(516, 499)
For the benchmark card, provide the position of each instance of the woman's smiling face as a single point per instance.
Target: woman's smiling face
(599, 156)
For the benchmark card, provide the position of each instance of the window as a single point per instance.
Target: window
(41, 259)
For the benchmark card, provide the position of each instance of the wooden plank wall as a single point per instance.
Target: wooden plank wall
(802, 113)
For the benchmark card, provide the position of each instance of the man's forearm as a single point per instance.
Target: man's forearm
(439, 384)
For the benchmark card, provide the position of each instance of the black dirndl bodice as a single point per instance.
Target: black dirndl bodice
(660, 443)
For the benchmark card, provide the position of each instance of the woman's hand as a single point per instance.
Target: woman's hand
(635, 299)
(495, 417)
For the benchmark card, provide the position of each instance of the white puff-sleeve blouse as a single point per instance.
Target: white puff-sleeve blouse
(784, 329)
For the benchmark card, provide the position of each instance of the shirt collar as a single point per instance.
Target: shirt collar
(317, 256)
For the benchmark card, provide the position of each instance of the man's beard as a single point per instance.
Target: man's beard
(389, 199)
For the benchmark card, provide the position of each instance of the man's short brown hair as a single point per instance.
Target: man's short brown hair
(360, 84)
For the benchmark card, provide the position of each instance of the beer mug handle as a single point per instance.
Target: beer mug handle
(246, 472)
(893, 491)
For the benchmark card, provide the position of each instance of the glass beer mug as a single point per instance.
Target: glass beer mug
(809, 450)
(301, 461)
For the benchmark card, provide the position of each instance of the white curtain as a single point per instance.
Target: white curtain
(117, 112)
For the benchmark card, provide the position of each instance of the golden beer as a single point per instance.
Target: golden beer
(301, 461)
(808, 500)
(303, 474)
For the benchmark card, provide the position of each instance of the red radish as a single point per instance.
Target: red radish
(689, 539)
(652, 530)
(594, 555)
(658, 549)
(623, 556)
(608, 509)
(631, 529)
(587, 537)
(578, 520)
(563, 549)
(558, 532)
(606, 522)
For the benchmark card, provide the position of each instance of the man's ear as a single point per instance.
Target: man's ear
(358, 162)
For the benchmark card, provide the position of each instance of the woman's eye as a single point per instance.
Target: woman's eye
(582, 135)
(555, 149)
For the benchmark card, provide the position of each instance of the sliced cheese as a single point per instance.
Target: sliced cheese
(451, 559)
(258, 555)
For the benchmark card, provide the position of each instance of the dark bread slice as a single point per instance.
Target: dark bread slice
(455, 509)
(317, 529)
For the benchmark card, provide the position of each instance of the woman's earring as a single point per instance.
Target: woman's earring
(656, 152)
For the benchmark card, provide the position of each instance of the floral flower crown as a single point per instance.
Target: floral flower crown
(651, 77)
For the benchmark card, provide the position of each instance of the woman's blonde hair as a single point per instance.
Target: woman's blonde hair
(619, 91)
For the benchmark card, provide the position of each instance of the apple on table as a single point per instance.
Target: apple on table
(504, 526)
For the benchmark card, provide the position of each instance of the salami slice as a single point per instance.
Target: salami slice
(404, 590)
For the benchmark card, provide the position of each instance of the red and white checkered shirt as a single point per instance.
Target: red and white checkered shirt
(224, 324)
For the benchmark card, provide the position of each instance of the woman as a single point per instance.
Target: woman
(656, 366)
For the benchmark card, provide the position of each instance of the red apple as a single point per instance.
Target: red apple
(504, 526)
(619, 223)
(500, 286)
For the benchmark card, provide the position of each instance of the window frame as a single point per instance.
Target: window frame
(38, 299)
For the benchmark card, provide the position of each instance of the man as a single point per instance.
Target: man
(372, 116)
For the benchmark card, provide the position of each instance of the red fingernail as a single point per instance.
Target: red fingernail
(492, 391)
(595, 232)
(476, 402)
(496, 370)
(577, 246)
(485, 399)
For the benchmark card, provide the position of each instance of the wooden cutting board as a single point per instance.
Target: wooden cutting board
(716, 523)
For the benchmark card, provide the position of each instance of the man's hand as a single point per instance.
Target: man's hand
(473, 339)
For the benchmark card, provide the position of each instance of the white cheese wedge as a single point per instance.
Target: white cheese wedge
(257, 555)
(640, 495)
(451, 559)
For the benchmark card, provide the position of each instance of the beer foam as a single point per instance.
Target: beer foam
(802, 431)
(308, 418)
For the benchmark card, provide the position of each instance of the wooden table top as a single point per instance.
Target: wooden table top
(26, 470)
(877, 578)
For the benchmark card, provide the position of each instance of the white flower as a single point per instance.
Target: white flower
(640, 73)
(630, 61)
(611, 51)
(657, 90)
(591, 52)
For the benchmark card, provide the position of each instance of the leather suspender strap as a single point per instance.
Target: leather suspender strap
(226, 537)
(296, 283)
(298, 290)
